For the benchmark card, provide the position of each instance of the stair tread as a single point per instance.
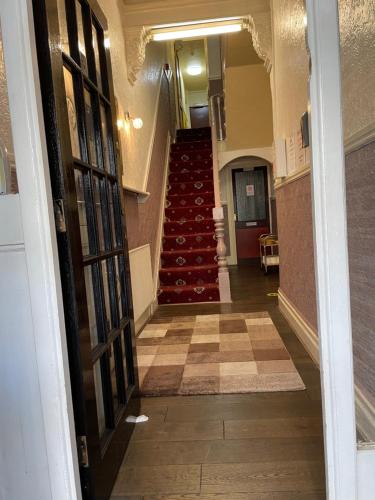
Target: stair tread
(203, 267)
(193, 150)
(189, 194)
(187, 221)
(188, 207)
(189, 235)
(188, 287)
(177, 183)
(194, 250)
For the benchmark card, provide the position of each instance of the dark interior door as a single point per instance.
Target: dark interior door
(199, 117)
(250, 192)
(78, 105)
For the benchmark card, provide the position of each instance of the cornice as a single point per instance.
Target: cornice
(172, 5)
(257, 22)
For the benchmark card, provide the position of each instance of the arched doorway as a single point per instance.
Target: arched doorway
(248, 194)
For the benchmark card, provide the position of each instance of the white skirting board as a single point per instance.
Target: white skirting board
(142, 283)
(365, 411)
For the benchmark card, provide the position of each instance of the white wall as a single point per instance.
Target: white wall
(290, 68)
(140, 100)
(357, 32)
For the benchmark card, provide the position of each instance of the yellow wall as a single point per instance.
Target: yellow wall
(248, 107)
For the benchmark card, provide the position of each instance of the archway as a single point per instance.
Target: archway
(240, 233)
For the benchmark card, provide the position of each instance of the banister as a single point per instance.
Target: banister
(218, 212)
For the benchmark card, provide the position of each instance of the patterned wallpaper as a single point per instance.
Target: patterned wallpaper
(360, 195)
(297, 276)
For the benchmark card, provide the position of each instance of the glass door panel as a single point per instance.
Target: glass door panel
(92, 251)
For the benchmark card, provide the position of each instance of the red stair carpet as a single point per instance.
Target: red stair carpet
(189, 270)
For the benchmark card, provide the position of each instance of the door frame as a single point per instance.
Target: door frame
(331, 250)
(37, 216)
(329, 232)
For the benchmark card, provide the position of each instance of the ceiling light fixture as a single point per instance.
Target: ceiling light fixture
(194, 70)
(196, 30)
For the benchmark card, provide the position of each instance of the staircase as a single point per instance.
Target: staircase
(189, 270)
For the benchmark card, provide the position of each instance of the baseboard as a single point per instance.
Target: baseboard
(301, 328)
(365, 410)
(145, 317)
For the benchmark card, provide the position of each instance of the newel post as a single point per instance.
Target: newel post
(218, 212)
(221, 249)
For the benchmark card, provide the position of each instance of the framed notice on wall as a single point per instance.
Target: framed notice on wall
(250, 190)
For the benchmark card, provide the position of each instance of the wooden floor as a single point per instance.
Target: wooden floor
(231, 447)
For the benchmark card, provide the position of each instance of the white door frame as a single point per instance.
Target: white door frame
(331, 250)
(43, 275)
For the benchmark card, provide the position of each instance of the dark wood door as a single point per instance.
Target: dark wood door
(199, 117)
(250, 192)
(78, 105)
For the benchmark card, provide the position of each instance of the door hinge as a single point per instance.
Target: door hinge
(83, 454)
(58, 207)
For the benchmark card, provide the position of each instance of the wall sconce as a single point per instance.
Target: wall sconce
(137, 123)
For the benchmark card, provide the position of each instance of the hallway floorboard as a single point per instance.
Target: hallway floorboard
(258, 446)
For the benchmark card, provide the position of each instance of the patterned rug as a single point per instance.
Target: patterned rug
(189, 270)
(214, 354)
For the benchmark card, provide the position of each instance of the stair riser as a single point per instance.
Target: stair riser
(188, 166)
(176, 229)
(196, 277)
(191, 156)
(203, 175)
(191, 146)
(193, 213)
(193, 135)
(182, 259)
(198, 187)
(185, 297)
(190, 200)
(189, 242)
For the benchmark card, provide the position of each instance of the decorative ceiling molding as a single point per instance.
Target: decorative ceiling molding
(259, 25)
(136, 40)
(147, 6)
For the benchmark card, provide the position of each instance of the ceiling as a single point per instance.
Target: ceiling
(192, 52)
(239, 50)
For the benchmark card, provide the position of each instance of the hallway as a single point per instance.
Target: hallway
(231, 447)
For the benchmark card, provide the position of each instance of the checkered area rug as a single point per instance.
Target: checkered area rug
(214, 354)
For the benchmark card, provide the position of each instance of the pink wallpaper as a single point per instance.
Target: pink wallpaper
(143, 219)
(360, 196)
(294, 219)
